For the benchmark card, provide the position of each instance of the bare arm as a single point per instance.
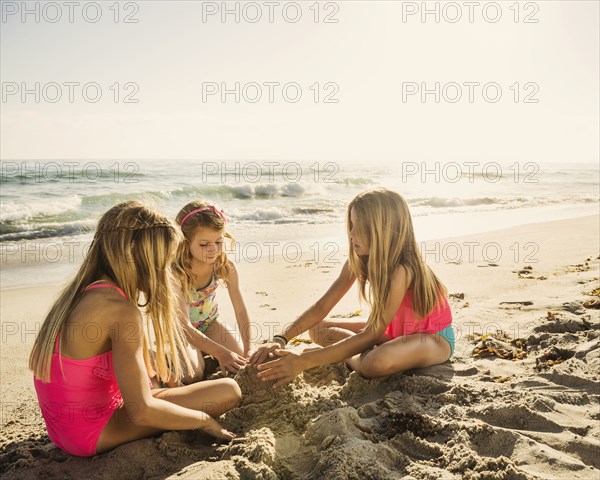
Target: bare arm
(289, 365)
(127, 335)
(361, 341)
(310, 317)
(193, 336)
(323, 306)
(241, 312)
(227, 359)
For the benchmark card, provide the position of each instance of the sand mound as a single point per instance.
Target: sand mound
(254, 390)
(333, 424)
(487, 418)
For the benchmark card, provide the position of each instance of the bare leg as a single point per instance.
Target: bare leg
(224, 335)
(197, 361)
(328, 332)
(214, 397)
(195, 375)
(419, 350)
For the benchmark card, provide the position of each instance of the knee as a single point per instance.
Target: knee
(231, 392)
(318, 332)
(313, 333)
(197, 376)
(374, 366)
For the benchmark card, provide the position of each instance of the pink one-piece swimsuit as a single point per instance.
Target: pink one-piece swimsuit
(77, 406)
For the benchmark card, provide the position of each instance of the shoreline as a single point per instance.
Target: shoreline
(48, 261)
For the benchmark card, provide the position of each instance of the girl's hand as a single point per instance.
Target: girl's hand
(283, 369)
(231, 361)
(214, 428)
(263, 353)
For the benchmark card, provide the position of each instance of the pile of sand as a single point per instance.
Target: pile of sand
(474, 418)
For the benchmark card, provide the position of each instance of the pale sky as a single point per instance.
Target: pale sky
(370, 54)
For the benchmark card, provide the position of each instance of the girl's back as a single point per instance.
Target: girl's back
(87, 330)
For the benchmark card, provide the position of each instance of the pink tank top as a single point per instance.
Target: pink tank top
(405, 321)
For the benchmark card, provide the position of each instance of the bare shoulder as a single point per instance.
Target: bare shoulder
(119, 315)
(231, 266)
(124, 317)
(346, 272)
(232, 279)
(98, 322)
(232, 269)
(403, 276)
(123, 310)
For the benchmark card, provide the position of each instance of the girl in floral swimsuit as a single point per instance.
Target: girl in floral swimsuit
(201, 265)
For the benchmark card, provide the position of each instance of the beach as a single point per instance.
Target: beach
(280, 117)
(519, 399)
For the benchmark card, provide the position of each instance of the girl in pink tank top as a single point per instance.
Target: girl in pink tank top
(410, 323)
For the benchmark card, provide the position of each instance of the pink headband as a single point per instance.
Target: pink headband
(202, 209)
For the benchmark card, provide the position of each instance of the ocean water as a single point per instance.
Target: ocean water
(60, 202)
(65, 199)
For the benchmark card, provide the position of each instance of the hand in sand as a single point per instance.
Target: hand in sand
(283, 369)
(214, 428)
(231, 361)
(263, 353)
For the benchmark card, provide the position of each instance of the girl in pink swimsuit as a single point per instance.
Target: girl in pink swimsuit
(90, 359)
(410, 324)
(79, 404)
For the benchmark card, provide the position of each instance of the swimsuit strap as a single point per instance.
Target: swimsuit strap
(94, 285)
(213, 279)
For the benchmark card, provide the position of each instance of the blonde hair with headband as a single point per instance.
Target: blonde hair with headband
(195, 215)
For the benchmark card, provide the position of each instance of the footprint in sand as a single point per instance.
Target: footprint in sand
(516, 417)
(558, 322)
(552, 356)
(266, 305)
(573, 307)
(517, 305)
(594, 303)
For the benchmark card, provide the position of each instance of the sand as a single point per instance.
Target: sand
(518, 401)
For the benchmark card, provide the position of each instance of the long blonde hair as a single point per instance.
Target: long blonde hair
(133, 246)
(208, 217)
(384, 222)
